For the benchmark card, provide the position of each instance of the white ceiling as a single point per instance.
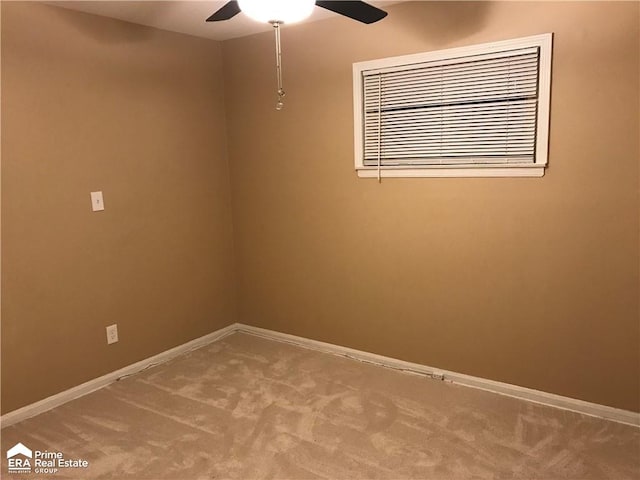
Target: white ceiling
(185, 16)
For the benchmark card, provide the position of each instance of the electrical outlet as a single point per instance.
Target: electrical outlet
(112, 333)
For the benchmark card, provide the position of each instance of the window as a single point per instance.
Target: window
(479, 111)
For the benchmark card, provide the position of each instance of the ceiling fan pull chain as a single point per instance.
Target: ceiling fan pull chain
(279, 103)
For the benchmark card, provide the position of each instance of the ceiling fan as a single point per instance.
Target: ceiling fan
(278, 12)
(360, 11)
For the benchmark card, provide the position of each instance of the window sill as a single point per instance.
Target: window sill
(533, 171)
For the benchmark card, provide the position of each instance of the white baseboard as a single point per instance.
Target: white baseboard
(97, 383)
(536, 396)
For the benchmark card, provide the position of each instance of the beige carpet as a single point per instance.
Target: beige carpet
(247, 407)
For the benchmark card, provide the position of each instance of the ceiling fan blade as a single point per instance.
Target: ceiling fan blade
(229, 10)
(360, 11)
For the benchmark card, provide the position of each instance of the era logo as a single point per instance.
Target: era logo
(19, 465)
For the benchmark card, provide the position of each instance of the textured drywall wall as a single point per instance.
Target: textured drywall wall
(90, 103)
(527, 281)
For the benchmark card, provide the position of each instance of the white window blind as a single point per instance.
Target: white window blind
(468, 110)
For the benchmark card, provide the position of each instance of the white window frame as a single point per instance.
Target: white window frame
(543, 41)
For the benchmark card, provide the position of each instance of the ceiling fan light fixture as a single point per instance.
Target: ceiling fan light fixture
(281, 11)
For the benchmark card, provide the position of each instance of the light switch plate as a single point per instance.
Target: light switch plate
(97, 203)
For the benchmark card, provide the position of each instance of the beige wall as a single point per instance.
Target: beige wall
(528, 281)
(90, 103)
